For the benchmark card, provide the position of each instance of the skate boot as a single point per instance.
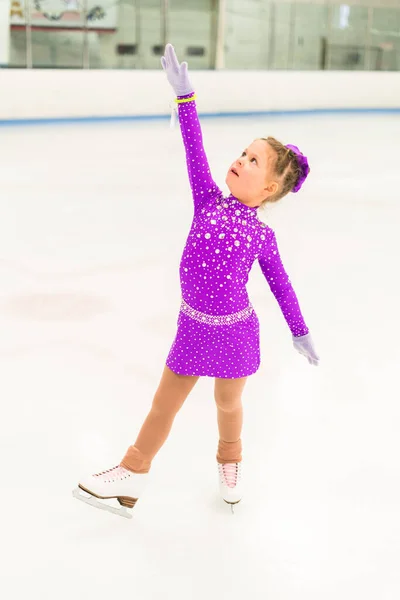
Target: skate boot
(230, 483)
(115, 484)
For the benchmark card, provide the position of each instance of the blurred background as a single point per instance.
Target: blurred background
(231, 34)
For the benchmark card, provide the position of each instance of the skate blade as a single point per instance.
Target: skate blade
(93, 501)
(232, 505)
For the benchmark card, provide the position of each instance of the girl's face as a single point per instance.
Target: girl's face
(251, 177)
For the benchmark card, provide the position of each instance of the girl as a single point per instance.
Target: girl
(218, 330)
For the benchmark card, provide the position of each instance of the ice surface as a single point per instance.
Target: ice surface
(93, 222)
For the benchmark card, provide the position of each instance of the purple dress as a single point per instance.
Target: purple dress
(218, 329)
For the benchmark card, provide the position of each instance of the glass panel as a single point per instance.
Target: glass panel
(346, 46)
(17, 48)
(14, 24)
(191, 26)
(57, 33)
(57, 49)
(4, 32)
(117, 47)
(150, 16)
(385, 35)
(247, 32)
(59, 28)
(280, 36)
(310, 30)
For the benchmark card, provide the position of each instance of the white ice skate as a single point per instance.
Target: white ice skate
(230, 483)
(117, 483)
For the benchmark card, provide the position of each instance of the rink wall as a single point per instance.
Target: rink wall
(47, 95)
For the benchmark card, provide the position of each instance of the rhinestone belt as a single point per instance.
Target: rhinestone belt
(215, 319)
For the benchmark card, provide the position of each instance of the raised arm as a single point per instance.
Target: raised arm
(279, 283)
(201, 182)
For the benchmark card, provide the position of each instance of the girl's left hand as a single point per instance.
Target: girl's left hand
(304, 345)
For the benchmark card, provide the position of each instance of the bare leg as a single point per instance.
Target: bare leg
(228, 397)
(169, 398)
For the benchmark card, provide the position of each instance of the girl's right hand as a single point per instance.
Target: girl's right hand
(177, 74)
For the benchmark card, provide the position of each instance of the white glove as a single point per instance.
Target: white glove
(304, 345)
(177, 74)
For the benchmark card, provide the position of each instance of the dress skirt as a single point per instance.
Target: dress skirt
(225, 346)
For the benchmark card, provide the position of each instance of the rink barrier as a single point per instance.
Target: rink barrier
(244, 114)
(52, 97)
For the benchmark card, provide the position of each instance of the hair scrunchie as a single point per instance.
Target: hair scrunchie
(303, 164)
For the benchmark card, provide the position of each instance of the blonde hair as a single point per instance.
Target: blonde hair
(286, 168)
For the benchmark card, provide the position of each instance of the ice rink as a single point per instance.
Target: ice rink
(93, 223)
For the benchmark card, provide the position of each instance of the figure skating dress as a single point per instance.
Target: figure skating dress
(218, 329)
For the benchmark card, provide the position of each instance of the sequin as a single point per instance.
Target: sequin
(241, 315)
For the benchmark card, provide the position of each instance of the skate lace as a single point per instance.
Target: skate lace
(117, 472)
(230, 473)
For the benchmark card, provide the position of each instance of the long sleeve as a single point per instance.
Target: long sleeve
(201, 182)
(279, 283)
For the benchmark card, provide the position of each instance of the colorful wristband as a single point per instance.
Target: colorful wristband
(182, 100)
